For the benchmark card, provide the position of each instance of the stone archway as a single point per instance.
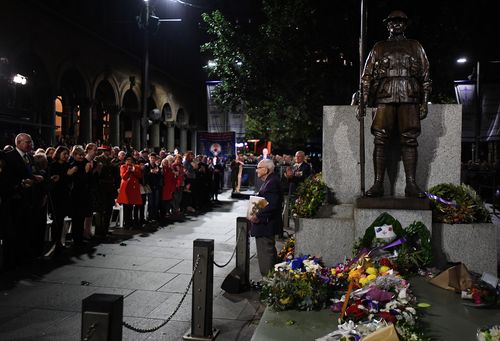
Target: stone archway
(102, 110)
(182, 120)
(166, 127)
(74, 96)
(130, 119)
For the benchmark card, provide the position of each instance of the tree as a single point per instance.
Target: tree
(282, 71)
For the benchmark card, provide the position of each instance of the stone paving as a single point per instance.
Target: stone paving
(151, 271)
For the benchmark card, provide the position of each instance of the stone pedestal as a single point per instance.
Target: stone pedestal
(439, 151)
(332, 238)
(329, 238)
(472, 244)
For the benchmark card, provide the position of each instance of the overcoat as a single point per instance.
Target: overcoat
(130, 188)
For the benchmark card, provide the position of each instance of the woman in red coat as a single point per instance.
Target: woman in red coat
(130, 189)
(169, 184)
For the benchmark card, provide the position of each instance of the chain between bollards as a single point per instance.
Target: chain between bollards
(90, 331)
(232, 256)
(150, 330)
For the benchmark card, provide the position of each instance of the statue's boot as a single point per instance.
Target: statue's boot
(377, 190)
(410, 156)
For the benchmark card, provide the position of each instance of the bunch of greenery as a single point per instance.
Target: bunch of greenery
(458, 204)
(414, 253)
(310, 196)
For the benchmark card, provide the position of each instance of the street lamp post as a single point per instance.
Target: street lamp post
(145, 78)
(479, 108)
(148, 22)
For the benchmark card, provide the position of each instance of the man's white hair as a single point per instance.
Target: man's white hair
(269, 164)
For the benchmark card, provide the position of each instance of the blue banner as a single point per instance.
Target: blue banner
(220, 144)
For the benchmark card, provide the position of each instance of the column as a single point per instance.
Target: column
(155, 135)
(85, 133)
(171, 137)
(114, 126)
(136, 133)
(194, 146)
(183, 139)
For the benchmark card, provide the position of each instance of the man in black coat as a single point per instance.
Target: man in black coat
(267, 222)
(20, 180)
(300, 171)
(294, 176)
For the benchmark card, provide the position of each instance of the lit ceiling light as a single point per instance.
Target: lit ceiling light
(462, 60)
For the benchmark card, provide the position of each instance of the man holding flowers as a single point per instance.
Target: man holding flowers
(267, 221)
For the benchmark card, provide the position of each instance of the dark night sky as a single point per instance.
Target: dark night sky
(447, 29)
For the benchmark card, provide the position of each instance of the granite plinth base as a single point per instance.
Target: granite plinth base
(331, 239)
(472, 244)
(399, 203)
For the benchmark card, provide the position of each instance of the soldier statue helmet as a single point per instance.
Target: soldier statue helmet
(396, 81)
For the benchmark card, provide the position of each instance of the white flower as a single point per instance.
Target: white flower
(411, 310)
(280, 266)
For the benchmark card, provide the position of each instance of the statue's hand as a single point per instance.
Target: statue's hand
(423, 110)
(360, 112)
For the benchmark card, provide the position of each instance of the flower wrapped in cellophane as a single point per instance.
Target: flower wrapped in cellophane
(302, 283)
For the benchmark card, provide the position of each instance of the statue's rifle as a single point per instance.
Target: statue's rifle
(361, 96)
(361, 117)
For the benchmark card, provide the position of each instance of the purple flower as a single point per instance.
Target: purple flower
(376, 294)
(336, 307)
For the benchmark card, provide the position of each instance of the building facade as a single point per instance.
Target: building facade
(81, 87)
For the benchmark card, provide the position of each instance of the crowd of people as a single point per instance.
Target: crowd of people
(85, 183)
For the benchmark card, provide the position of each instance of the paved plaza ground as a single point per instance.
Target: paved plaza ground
(151, 270)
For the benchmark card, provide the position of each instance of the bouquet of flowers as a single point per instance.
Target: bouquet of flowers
(489, 334)
(457, 204)
(287, 252)
(255, 204)
(310, 196)
(301, 283)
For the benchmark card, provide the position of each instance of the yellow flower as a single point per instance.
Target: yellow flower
(371, 277)
(286, 301)
(384, 268)
(363, 281)
(371, 271)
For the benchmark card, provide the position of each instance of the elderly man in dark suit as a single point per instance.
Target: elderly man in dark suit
(20, 180)
(267, 222)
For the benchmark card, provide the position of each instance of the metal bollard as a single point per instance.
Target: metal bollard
(203, 283)
(102, 316)
(243, 250)
(238, 280)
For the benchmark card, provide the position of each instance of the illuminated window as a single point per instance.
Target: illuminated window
(59, 110)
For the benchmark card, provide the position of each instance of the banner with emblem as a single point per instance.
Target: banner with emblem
(216, 144)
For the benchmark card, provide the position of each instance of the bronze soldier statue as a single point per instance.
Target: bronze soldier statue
(396, 80)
